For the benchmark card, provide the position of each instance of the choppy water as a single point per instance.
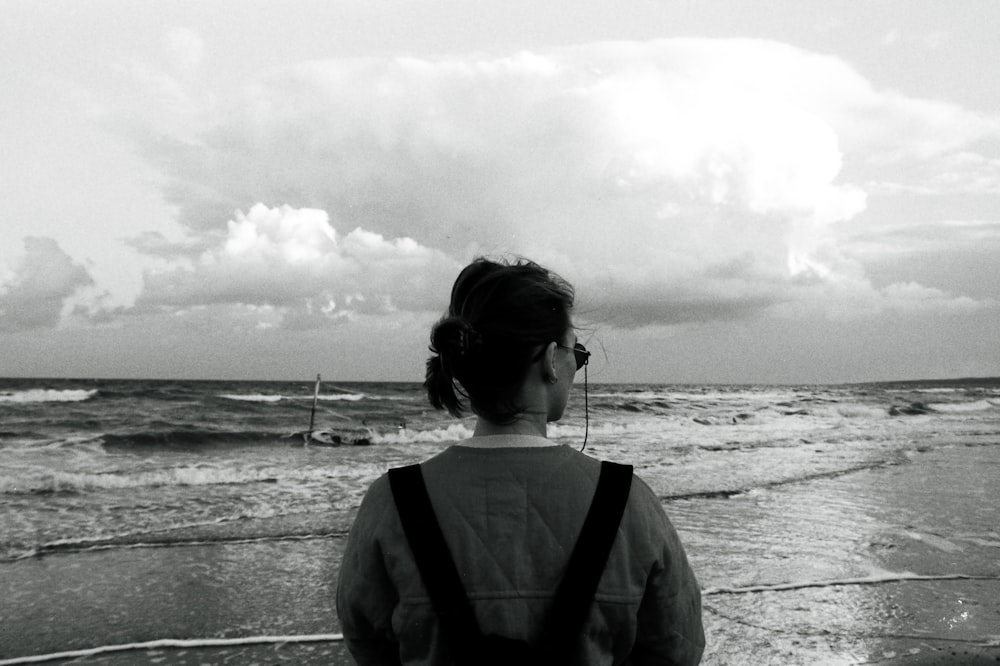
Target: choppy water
(105, 462)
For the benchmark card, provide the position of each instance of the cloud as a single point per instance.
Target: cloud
(184, 47)
(912, 297)
(293, 268)
(34, 293)
(927, 239)
(154, 243)
(959, 172)
(168, 83)
(697, 176)
(931, 41)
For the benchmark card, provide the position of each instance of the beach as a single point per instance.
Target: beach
(823, 527)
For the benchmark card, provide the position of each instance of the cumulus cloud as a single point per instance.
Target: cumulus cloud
(696, 176)
(33, 294)
(295, 268)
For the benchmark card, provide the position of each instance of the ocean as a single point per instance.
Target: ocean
(768, 485)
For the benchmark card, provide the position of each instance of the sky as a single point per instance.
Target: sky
(796, 191)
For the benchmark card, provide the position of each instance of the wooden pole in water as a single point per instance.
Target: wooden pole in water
(312, 415)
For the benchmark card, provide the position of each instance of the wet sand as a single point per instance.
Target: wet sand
(869, 535)
(826, 571)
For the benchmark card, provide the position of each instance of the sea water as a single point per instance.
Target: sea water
(89, 465)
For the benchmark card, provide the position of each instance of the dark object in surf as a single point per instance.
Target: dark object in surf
(327, 438)
(323, 438)
(913, 409)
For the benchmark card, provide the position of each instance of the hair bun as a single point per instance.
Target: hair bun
(456, 335)
(469, 339)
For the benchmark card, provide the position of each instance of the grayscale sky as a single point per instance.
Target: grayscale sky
(794, 191)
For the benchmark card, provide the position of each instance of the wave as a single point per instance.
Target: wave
(23, 436)
(696, 392)
(452, 433)
(190, 438)
(253, 397)
(134, 541)
(195, 439)
(162, 392)
(611, 430)
(78, 482)
(47, 395)
(633, 395)
(977, 406)
(857, 411)
(350, 397)
(926, 390)
(270, 397)
(69, 483)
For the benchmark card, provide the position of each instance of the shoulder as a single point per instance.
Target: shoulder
(643, 495)
(645, 518)
(377, 506)
(378, 491)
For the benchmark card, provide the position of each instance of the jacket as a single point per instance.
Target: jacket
(511, 517)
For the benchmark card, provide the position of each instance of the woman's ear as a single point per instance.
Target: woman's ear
(549, 371)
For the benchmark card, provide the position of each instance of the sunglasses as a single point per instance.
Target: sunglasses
(580, 353)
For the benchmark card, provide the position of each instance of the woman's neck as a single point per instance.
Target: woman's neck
(529, 424)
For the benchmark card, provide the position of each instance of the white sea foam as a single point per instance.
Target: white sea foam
(696, 394)
(47, 395)
(452, 433)
(271, 397)
(755, 396)
(253, 397)
(857, 411)
(626, 429)
(634, 395)
(977, 406)
(926, 390)
(62, 482)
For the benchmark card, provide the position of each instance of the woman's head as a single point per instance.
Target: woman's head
(500, 316)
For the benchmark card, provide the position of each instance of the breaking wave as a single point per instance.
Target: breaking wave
(452, 433)
(76, 482)
(976, 406)
(47, 395)
(270, 397)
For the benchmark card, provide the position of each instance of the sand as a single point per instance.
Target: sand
(872, 535)
(822, 571)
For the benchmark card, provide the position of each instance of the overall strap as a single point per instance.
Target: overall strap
(437, 568)
(586, 565)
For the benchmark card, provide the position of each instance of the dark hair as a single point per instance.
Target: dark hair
(499, 315)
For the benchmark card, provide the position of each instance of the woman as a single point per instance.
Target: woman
(511, 503)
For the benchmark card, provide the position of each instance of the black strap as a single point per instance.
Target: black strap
(575, 593)
(590, 555)
(437, 568)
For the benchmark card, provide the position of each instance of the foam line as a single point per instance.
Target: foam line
(173, 643)
(86, 547)
(991, 641)
(868, 580)
(832, 474)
